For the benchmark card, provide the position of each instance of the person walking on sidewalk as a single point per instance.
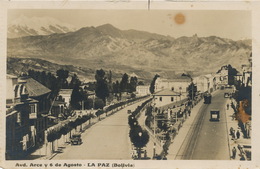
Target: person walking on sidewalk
(231, 131)
(189, 112)
(234, 152)
(227, 106)
(238, 134)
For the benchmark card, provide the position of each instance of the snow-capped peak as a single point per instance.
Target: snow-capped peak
(28, 26)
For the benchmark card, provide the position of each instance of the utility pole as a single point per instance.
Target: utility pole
(154, 128)
(192, 87)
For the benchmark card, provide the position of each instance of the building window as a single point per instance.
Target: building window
(160, 98)
(18, 118)
(172, 99)
(32, 108)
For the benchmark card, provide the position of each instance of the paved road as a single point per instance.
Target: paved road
(108, 139)
(207, 140)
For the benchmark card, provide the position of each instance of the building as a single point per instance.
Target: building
(66, 95)
(246, 75)
(42, 94)
(142, 90)
(19, 133)
(222, 76)
(179, 85)
(166, 97)
(205, 83)
(59, 108)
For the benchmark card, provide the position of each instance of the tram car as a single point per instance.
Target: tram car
(207, 98)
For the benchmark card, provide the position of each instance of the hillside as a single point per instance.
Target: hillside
(17, 66)
(130, 50)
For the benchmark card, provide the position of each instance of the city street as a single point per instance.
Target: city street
(207, 140)
(108, 139)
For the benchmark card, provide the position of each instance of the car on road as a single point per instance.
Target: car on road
(227, 95)
(214, 115)
(76, 139)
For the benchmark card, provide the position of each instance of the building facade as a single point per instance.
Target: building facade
(179, 85)
(166, 97)
(19, 133)
(142, 90)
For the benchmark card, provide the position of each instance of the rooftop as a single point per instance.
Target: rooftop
(65, 91)
(35, 88)
(177, 79)
(166, 92)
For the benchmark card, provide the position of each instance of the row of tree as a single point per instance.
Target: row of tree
(138, 136)
(57, 132)
(105, 86)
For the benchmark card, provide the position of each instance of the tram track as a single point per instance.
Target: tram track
(187, 147)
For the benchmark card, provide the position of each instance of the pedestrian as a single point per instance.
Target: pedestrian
(189, 112)
(227, 106)
(233, 135)
(231, 131)
(240, 148)
(234, 152)
(145, 154)
(238, 134)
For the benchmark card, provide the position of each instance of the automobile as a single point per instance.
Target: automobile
(227, 95)
(214, 115)
(76, 139)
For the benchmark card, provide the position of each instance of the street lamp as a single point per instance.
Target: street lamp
(139, 148)
(189, 76)
(154, 127)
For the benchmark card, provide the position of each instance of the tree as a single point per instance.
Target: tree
(192, 90)
(62, 78)
(232, 72)
(76, 98)
(152, 86)
(139, 138)
(140, 83)
(132, 84)
(74, 81)
(99, 103)
(132, 121)
(101, 90)
(124, 83)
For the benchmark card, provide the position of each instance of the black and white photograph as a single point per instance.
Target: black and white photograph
(140, 84)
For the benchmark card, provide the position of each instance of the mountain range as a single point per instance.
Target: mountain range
(26, 26)
(129, 51)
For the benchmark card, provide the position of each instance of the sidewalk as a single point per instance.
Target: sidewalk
(245, 143)
(182, 133)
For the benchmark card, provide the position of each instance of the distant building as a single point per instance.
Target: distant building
(59, 108)
(205, 83)
(66, 95)
(166, 97)
(142, 90)
(247, 75)
(179, 85)
(222, 76)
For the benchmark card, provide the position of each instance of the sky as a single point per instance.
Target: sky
(234, 25)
